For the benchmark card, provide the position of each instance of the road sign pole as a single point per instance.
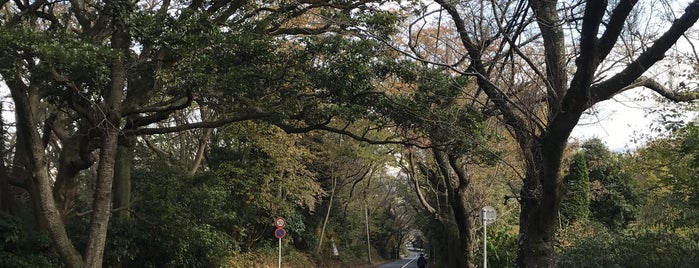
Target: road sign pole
(485, 245)
(488, 216)
(280, 233)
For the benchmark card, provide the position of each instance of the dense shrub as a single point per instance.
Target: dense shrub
(638, 250)
(21, 246)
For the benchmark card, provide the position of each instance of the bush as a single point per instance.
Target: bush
(638, 250)
(23, 247)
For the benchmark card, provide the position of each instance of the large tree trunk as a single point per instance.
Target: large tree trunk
(453, 245)
(30, 148)
(537, 228)
(122, 178)
(540, 201)
(457, 206)
(542, 140)
(6, 200)
(461, 206)
(459, 203)
(102, 201)
(463, 224)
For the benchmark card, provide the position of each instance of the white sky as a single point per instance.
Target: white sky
(619, 121)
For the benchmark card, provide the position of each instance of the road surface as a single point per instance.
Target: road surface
(408, 262)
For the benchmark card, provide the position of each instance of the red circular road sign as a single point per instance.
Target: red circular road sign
(280, 222)
(280, 233)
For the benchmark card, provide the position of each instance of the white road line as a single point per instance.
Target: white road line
(411, 261)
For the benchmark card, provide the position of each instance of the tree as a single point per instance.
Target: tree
(519, 54)
(612, 200)
(87, 77)
(643, 211)
(575, 205)
(448, 142)
(669, 185)
(346, 169)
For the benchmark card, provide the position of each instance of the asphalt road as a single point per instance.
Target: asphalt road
(408, 262)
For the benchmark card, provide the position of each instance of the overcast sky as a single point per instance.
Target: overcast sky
(619, 121)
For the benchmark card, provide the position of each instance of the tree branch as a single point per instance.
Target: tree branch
(614, 27)
(653, 54)
(477, 68)
(667, 93)
(554, 47)
(208, 124)
(421, 196)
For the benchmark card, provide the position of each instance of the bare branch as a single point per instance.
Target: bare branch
(615, 26)
(653, 54)
(208, 124)
(667, 93)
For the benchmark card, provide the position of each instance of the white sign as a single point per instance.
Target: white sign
(280, 222)
(488, 214)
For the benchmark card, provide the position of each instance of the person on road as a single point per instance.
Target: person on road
(421, 261)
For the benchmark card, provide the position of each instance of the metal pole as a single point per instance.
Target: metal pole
(368, 244)
(485, 245)
(280, 253)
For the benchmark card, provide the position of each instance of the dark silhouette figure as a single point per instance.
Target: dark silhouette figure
(421, 261)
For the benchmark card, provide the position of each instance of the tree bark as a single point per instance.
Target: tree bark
(35, 165)
(540, 201)
(201, 149)
(122, 177)
(542, 190)
(102, 201)
(75, 156)
(462, 207)
(110, 128)
(6, 199)
(327, 215)
(457, 198)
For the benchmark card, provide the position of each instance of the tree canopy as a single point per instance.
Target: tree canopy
(181, 128)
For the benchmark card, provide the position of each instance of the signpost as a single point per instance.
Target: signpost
(488, 216)
(279, 234)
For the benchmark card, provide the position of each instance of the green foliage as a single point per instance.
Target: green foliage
(256, 174)
(381, 23)
(575, 205)
(174, 226)
(85, 61)
(612, 198)
(502, 245)
(21, 246)
(343, 74)
(432, 105)
(230, 60)
(266, 167)
(597, 247)
(661, 231)
(669, 168)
